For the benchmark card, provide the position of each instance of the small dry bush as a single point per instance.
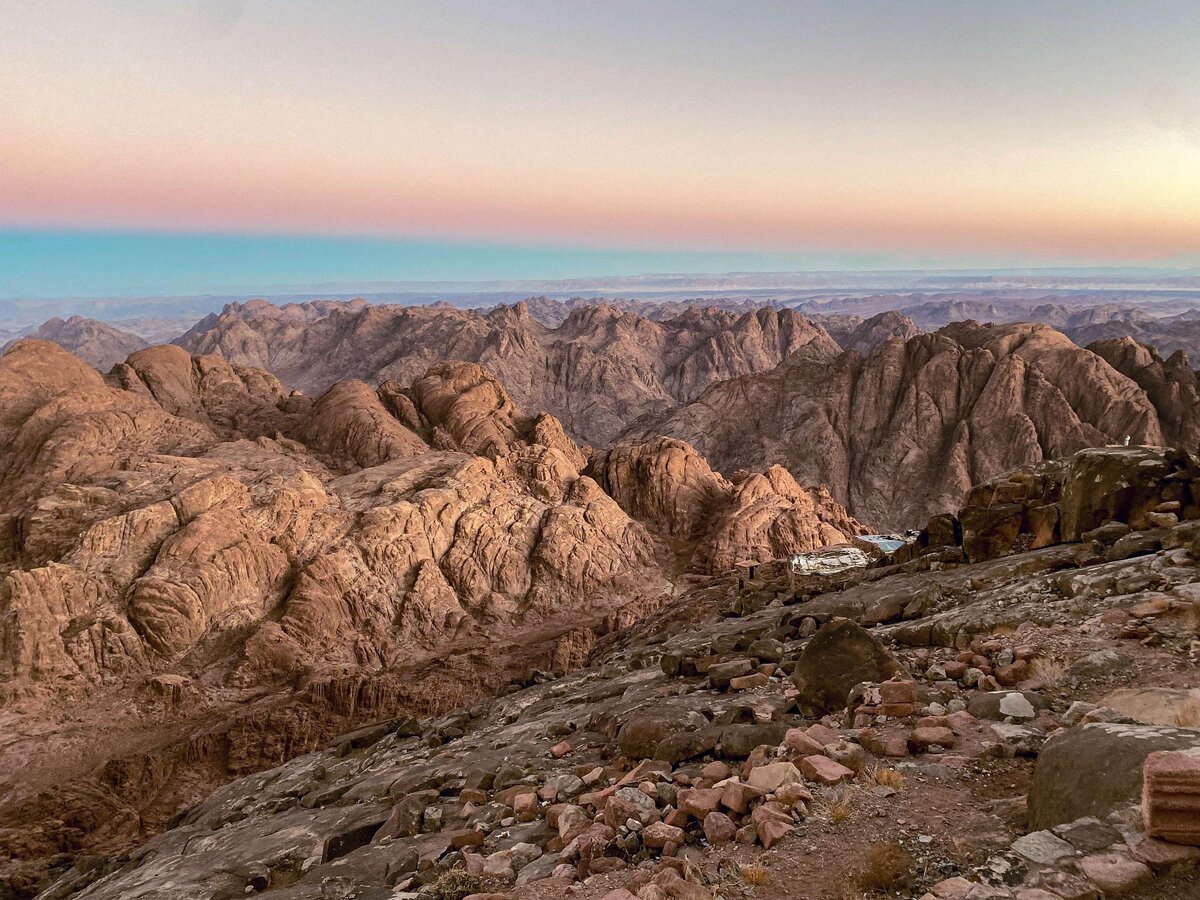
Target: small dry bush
(456, 884)
(885, 776)
(1047, 671)
(837, 808)
(886, 867)
(756, 875)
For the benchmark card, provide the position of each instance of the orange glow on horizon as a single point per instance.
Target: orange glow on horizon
(500, 134)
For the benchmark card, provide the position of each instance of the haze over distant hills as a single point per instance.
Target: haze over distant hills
(1167, 291)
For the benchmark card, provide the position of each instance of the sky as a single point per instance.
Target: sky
(190, 145)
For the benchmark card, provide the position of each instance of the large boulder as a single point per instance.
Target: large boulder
(1122, 484)
(1089, 770)
(840, 655)
(640, 736)
(1152, 705)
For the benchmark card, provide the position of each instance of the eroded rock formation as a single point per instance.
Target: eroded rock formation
(899, 435)
(758, 517)
(598, 369)
(927, 712)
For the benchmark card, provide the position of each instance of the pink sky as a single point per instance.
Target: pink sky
(1047, 130)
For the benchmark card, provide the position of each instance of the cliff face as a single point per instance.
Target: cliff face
(596, 371)
(759, 517)
(898, 435)
(1171, 385)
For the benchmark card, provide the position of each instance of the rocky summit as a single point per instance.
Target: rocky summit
(936, 724)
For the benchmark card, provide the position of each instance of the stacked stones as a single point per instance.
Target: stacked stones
(1171, 796)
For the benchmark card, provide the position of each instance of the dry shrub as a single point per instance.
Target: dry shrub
(885, 776)
(837, 808)
(886, 867)
(756, 875)
(1047, 671)
(1188, 715)
(456, 884)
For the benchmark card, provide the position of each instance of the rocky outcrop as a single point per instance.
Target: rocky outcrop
(840, 656)
(1171, 385)
(1097, 495)
(96, 343)
(1171, 796)
(1087, 771)
(302, 540)
(760, 517)
(187, 517)
(899, 435)
(595, 370)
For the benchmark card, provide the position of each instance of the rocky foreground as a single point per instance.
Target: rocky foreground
(968, 719)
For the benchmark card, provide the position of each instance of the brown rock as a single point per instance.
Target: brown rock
(463, 839)
(1162, 855)
(1171, 796)
(748, 682)
(798, 741)
(737, 796)
(921, 739)
(770, 777)
(822, 735)
(719, 828)
(699, 802)
(839, 656)
(884, 743)
(793, 794)
(658, 834)
(823, 770)
(716, 770)
(525, 807)
(1114, 873)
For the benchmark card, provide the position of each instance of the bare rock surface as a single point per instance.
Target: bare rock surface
(596, 370)
(762, 516)
(900, 434)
